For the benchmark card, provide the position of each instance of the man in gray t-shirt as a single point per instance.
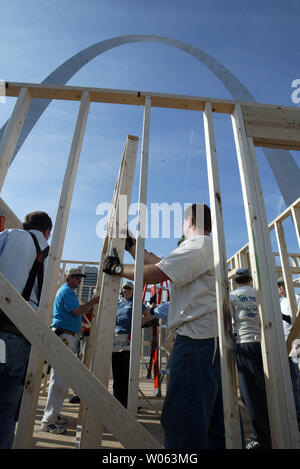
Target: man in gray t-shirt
(250, 369)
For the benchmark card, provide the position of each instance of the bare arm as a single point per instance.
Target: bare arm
(84, 308)
(149, 257)
(152, 273)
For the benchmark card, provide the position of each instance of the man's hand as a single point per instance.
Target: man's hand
(130, 241)
(112, 264)
(152, 322)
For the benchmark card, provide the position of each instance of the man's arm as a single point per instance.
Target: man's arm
(130, 246)
(152, 273)
(147, 316)
(84, 308)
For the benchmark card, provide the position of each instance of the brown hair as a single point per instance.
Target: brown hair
(200, 215)
(37, 221)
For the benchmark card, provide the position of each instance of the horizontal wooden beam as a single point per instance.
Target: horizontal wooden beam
(269, 125)
(273, 126)
(135, 98)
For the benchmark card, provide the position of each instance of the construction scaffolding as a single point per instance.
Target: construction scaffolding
(253, 125)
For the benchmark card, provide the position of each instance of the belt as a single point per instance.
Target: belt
(59, 331)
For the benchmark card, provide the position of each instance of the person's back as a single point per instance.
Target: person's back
(23, 268)
(17, 254)
(246, 319)
(247, 334)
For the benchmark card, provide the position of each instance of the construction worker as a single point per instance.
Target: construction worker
(287, 326)
(246, 328)
(22, 254)
(66, 323)
(192, 415)
(121, 346)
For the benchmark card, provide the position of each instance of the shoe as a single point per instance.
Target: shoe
(74, 399)
(253, 444)
(54, 427)
(61, 420)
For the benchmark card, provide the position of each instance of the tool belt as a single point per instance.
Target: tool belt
(59, 331)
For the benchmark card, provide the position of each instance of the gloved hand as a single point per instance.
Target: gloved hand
(153, 300)
(129, 242)
(152, 322)
(112, 264)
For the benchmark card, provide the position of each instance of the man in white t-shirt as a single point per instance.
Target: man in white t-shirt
(287, 326)
(246, 328)
(192, 415)
(22, 258)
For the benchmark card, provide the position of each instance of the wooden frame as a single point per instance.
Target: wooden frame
(111, 413)
(135, 344)
(229, 385)
(269, 126)
(253, 124)
(283, 423)
(105, 325)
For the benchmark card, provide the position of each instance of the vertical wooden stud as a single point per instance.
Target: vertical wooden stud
(281, 405)
(12, 132)
(229, 385)
(35, 366)
(135, 344)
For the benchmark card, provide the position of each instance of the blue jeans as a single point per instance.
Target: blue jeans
(192, 415)
(295, 384)
(11, 384)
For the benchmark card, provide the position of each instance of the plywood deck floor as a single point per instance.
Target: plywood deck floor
(146, 417)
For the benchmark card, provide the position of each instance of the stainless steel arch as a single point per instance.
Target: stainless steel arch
(282, 163)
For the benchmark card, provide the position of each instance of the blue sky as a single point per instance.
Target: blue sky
(257, 41)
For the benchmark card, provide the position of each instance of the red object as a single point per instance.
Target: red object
(2, 222)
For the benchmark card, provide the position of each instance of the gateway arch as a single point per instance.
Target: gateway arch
(282, 163)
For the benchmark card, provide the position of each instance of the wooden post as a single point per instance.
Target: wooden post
(135, 343)
(229, 385)
(35, 366)
(12, 132)
(286, 271)
(281, 404)
(83, 416)
(105, 326)
(296, 219)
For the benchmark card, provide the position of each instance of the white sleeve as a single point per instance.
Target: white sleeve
(183, 266)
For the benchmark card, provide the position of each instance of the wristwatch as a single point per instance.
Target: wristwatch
(118, 269)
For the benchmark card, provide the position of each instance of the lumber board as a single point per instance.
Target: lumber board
(105, 326)
(296, 219)
(12, 132)
(273, 126)
(224, 314)
(35, 366)
(105, 407)
(286, 269)
(135, 342)
(91, 438)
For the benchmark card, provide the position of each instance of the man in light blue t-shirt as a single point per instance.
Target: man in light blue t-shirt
(66, 323)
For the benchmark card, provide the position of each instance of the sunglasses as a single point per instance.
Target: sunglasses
(127, 288)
